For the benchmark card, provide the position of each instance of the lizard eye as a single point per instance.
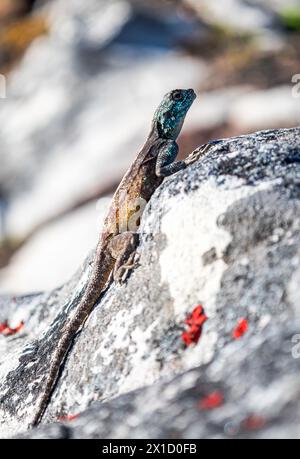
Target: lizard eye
(177, 95)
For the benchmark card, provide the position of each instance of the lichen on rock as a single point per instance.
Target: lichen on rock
(224, 233)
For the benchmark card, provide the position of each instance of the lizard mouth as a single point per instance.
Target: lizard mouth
(192, 94)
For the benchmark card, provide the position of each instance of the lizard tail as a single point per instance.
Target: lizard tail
(57, 360)
(95, 287)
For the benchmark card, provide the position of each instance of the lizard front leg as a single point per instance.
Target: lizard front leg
(165, 164)
(201, 151)
(123, 249)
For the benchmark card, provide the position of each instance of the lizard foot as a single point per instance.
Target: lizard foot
(123, 248)
(122, 273)
(199, 152)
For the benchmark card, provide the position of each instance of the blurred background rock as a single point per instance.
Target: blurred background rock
(82, 82)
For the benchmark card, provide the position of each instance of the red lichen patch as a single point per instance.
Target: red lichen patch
(253, 422)
(240, 329)
(3, 326)
(6, 330)
(68, 417)
(211, 401)
(197, 316)
(194, 321)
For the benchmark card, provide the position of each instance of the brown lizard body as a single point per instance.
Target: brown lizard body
(118, 240)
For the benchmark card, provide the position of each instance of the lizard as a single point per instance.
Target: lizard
(118, 240)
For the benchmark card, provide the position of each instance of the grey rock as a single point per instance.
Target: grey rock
(223, 233)
(259, 382)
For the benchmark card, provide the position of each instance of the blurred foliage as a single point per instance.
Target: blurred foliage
(11, 9)
(237, 58)
(290, 18)
(219, 39)
(16, 36)
(248, 64)
(19, 35)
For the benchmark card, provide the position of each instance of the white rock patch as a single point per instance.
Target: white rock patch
(191, 230)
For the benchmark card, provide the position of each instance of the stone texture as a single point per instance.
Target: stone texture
(223, 233)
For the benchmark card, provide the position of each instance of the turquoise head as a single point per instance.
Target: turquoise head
(169, 116)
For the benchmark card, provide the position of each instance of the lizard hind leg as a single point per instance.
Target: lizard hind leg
(123, 248)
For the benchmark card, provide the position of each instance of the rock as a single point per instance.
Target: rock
(259, 408)
(223, 233)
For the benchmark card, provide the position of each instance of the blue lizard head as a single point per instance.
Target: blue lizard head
(169, 116)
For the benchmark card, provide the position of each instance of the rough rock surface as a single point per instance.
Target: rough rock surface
(223, 233)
